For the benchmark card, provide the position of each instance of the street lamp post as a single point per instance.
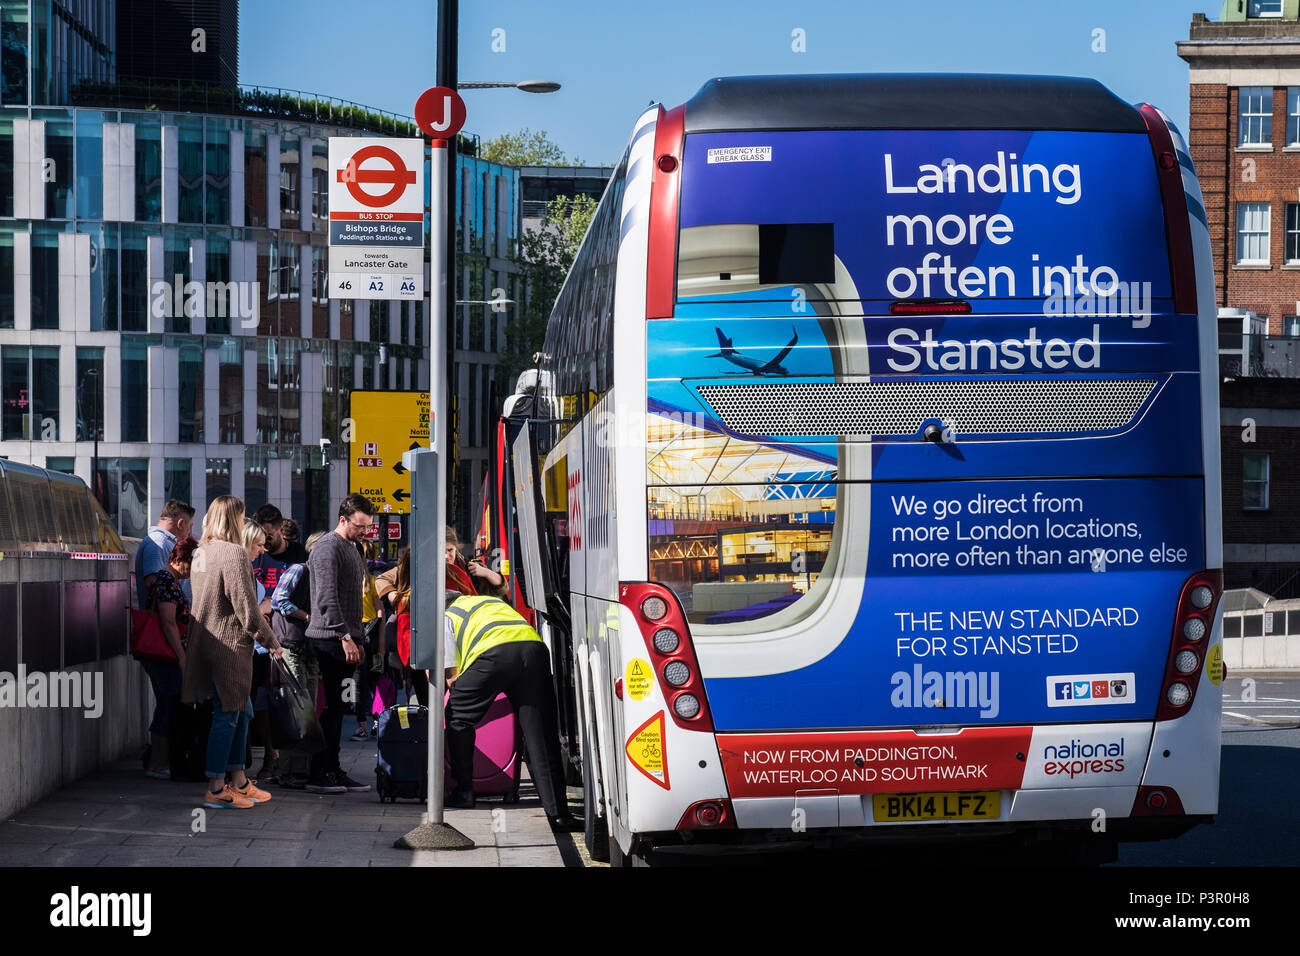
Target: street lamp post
(434, 833)
(528, 86)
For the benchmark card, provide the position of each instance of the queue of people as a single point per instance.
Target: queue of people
(329, 616)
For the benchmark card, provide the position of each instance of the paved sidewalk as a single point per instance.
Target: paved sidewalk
(119, 817)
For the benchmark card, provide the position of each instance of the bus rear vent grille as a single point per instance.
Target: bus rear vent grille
(969, 407)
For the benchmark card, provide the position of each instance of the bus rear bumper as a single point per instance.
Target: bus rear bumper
(1082, 805)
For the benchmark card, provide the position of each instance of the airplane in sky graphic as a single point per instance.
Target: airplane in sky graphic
(773, 367)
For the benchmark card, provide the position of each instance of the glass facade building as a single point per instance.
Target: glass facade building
(165, 325)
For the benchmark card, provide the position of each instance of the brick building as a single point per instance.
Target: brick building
(1245, 141)
(1244, 137)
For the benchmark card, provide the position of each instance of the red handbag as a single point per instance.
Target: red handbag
(147, 639)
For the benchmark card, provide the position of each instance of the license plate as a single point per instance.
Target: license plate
(893, 807)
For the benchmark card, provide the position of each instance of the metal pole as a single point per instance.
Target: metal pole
(446, 73)
(438, 239)
(442, 251)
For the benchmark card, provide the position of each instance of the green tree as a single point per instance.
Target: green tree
(547, 253)
(525, 148)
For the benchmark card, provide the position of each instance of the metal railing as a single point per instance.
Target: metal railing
(278, 102)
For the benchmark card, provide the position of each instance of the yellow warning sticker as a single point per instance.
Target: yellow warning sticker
(639, 678)
(647, 751)
(403, 718)
(1214, 665)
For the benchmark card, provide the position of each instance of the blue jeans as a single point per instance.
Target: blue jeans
(228, 738)
(166, 681)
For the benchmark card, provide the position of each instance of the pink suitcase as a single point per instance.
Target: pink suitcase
(498, 752)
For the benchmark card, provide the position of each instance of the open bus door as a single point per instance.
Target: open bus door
(541, 576)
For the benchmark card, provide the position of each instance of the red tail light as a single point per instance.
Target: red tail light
(1178, 227)
(1157, 802)
(668, 640)
(708, 815)
(930, 307)
(1193, 625)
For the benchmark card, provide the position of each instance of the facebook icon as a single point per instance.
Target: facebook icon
(1063, 689)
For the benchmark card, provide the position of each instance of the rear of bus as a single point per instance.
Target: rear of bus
(931, 478)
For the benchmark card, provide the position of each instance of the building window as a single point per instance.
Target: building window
(177, 271)
(90, 394)
(189, 380)
(320, 286)
(13, 61)
(320, 193)
(176, 479)
(45, 278)
(135, 390)
(230, 372)
(1264, 8)
(45, 392)
(217, 472)
(1252, 233)
(1291, 326)
(1254, 116)
(135, 281)
(255, 469)
(289, 190)
(216, 177)
(1254, 482)
(6, 279)
(148, 167)
(17, 394)
(1293, 233)
(287, 283)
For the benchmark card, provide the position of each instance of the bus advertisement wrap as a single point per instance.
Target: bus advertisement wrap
(780, 448)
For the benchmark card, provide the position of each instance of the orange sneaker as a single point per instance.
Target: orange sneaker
(229, 799)
(249, 791)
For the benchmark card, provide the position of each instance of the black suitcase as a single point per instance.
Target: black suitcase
(188, 741)
(402, 769)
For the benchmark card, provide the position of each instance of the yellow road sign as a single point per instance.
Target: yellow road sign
(384, 426)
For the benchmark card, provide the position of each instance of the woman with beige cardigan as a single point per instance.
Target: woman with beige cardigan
(225, 620)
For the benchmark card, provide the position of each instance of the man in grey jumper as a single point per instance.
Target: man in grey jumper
(337, 574)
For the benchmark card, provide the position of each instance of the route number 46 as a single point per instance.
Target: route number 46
(345, 284)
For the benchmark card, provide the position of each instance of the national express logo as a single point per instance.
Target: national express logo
(1076, 757)
(922, 688)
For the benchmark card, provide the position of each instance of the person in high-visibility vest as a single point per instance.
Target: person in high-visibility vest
(496, 651)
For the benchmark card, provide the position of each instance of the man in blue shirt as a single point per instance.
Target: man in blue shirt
(155, 549)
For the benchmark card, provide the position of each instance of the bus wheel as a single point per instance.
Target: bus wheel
(595, 830)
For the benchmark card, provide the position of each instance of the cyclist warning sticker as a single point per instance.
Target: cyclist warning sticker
(1214, 665)
(639, 677)
(645, 748)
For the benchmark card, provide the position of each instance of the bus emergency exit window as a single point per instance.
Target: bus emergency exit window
(793, 253)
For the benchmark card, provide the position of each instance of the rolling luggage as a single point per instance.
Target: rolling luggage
(188, 741)
(498, 753)
(402, 769)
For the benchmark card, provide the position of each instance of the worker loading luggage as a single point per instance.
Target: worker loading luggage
(498, 652)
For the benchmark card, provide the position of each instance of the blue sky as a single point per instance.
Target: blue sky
(615, 58)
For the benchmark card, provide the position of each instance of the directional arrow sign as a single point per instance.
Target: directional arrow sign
(386, 424)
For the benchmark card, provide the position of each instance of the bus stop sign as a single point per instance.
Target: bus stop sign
(440, 112)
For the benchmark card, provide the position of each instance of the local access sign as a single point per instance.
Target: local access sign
(384, 426)
(376, 196)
